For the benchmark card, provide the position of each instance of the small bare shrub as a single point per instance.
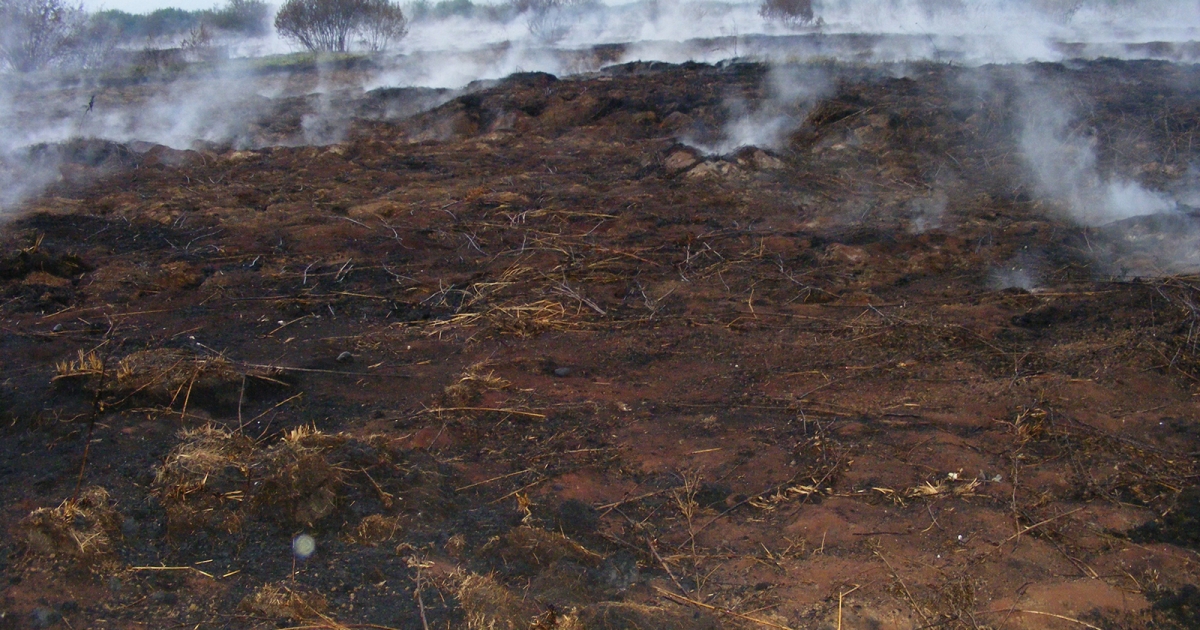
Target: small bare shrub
(332, 25)
(35, 34)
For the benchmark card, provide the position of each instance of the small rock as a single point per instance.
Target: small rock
(57, 328)
(345, 357)
(712, 495)
(577, 517)
(43, 617)
(680, 161)
(562, 372)
(163, 597)
(619, 571)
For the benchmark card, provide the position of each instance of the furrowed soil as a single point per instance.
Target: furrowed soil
(523, 360)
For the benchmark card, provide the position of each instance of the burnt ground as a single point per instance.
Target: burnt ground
(525, 361)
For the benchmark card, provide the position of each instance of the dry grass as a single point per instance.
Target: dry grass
(376, 529)
(539, 547)
(83, 528)
(86, 364)
(622, 615)
(951, 486)
(285, 601)
(297, 476)
(521, 320)
(165, 375)
(488, 605)
(206, 481)
(476, 380)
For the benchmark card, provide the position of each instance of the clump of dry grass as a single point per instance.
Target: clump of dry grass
(85, 365)
(953, 485)
(1031, 425)
(84, 528)
(537, 547)
(285, 601)
(298, 477)
(170, 373)
(476, 380)
(489, 605)
(165, 375)
(204, 479)
(521, 320)
(376, 529)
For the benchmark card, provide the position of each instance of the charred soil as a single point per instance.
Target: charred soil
(524, 360)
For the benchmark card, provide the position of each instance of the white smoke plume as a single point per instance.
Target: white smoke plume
(1063, 163)
(791, 93)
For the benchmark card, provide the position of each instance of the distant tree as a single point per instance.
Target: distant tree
(37, 33)
(91, 45)
(790, 12)
(550, 20)
(385, 23)
(331, 25)
(169, 23)
(237, 17)
(245, 17)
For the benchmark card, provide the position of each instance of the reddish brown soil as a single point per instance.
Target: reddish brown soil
(748, 391)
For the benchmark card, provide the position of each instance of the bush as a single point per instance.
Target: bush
(386, 22)
(549, 20)
(331, 25)
(790, 12)
(245, 17)
(37, 33)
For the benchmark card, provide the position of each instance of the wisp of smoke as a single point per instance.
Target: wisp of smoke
(1063, 163)
(792, 91)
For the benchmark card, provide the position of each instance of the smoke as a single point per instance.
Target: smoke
(792, 91)
(927, 212)
(1063, 163)
(241, 103)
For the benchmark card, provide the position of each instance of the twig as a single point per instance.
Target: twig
(208, 575)
(421, 601)
(654, 550)
(912, 601)
(487, 481)
(495, 409)
(273, 408)
(723, 611)
(835, 381)
(97, 409)
(1039, 524)
(1063, 617)
(842, 595)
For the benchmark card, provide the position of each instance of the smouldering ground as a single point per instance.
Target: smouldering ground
(524, 360)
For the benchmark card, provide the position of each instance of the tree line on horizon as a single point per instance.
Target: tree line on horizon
(37, 34)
